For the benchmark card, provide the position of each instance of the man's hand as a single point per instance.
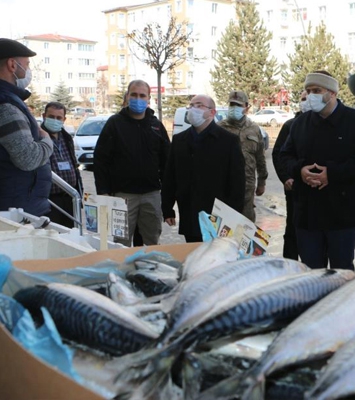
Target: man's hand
(170, 221)
(260, 190)
(288, 184)
(315, 179)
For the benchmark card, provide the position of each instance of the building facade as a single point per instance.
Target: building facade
(63, 60)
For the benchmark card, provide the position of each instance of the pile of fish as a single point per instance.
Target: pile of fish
(162, 330)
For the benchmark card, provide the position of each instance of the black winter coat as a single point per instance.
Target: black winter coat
(130, 154)
(328, 142)
(200, 168)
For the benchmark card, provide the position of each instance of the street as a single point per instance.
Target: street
(270, 209)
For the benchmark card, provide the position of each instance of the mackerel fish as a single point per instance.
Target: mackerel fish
(336, 380)
(315, 334)
(196, 297)
(87, 317)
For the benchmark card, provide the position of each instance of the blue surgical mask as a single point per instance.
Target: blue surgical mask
(53, 125)
(305, 106)
(316, 102)
(236, 112)
(137, 106)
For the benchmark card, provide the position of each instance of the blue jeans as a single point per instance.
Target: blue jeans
(336, 245)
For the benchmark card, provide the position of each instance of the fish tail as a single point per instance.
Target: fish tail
(255, 389)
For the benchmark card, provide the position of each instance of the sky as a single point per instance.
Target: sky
(82, 19)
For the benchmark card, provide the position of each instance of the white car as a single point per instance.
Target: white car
(270, 117)
(86, 137)
(181, 123)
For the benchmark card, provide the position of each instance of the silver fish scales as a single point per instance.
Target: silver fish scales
(88, 317)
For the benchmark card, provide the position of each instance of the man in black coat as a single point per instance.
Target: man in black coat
(205, 163)
(320, 156)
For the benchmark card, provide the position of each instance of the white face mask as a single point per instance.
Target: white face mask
(23, 82)
(305, 106)
(196, 116)
(316, 102)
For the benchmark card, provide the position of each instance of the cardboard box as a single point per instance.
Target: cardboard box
(24, 376)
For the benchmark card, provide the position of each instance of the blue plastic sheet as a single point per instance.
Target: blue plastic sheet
(208, 231)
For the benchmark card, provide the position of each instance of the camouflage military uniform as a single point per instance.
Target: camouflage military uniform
(254, 154)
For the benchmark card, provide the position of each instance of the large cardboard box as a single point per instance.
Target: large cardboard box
(24, 376)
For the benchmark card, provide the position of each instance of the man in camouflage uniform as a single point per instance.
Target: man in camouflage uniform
(252, 147)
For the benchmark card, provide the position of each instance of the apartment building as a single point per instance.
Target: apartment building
(206, 20)
(288, 20)
(63, 59)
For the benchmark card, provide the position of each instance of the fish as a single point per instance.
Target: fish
(209, 254)
(88, 318)
(155, 266)
(194, 298)
(121, 291)
(268, 306)
(318, 332)
(336, 380)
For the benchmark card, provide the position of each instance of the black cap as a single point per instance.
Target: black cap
(12, 48)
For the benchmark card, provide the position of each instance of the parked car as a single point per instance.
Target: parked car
(81, 112)
(86, 137)
(181, 123)
(270, 117)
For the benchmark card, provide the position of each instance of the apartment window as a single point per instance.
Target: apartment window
(71, 90)
(190, 3)
(299, 13)
(46, 45)
(121, 41)
(190, 76)
(112, 39)
(190, 53)
(121, 23)
(322, 12)
(47, 75)
(70, 75)
(351, 39)
(69, 46)
(213, 54)
(283, 42)
(86, 61)
(112, 18)
(283, 16)
(168, 8)
(352, 8)
(46, 60)
(214, 8)
(48, 89)
(178, 6)
(85, 47)
(178, 76)
(122, 62)
(132, 17)
(113, 59)
(86, 75)
(213, 30)
(269, 15)
(113, 80)
(189, 28)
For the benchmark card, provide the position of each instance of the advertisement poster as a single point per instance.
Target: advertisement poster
(230, 223)
(116, 214)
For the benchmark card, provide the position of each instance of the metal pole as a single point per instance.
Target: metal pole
(300, 16)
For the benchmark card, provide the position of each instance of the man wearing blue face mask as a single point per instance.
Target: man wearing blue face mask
(129, 162)
(319, 154)
(25, 148)
(63, 162)
(252, 147)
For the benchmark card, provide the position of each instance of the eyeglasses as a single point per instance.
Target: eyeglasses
(197, 105)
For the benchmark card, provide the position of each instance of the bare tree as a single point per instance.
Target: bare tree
(162, 51)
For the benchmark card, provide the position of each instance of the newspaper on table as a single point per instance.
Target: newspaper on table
(117, 214)
(230, 223)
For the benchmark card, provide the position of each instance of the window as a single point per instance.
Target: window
(70, 61)
(283, 16)
(121, 23)
(122, 62)
(112, 18)
(47, 75)
(113, 80)
(213, 54)
(269, 14)
(46, 60)
(352, 8)
(214, 8)
(85, 47)
(121, 41)
(178, 76)
(46, 45)
(322, 12)
(190, 53)
(189, 28)
(113, 59)
(178, 6)
(213, 30)
(168, 8)
(351, 36)
(86, 90)
(299, 13)
(283, 42)
(190, 3)
(86, 75)
(86, 61)
(48, 89)
(70, 75)
(190, 76)
(69, 46)
(132, 17)
(71, 90)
